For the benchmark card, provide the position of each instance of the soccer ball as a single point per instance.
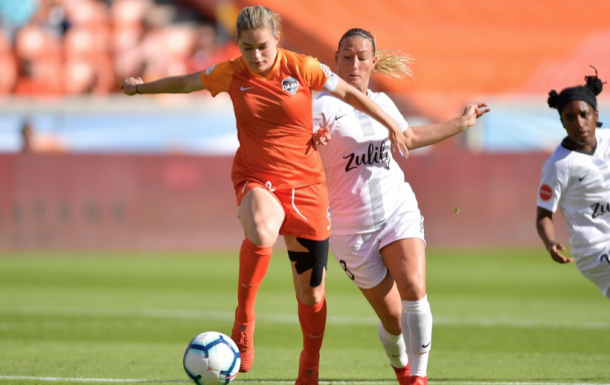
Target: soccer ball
(211, 358)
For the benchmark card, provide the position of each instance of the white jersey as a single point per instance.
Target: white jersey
(365, 184)
(580, 185)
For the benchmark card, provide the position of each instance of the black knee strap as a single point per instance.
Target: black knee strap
(316, 258)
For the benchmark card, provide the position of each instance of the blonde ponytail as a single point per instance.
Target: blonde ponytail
(393, 63)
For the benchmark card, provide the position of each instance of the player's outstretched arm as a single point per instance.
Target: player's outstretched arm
(360, 101)
(546, 231)
(427, 135)
(182, 84)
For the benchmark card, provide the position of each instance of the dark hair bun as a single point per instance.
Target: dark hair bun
(553, 99)
(594, 84)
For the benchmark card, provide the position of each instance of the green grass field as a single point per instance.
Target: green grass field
(500, 317)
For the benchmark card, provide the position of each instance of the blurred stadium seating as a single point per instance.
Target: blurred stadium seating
(85, 47)
(61, 62)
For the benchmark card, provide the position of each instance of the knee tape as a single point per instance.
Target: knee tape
(315, 258)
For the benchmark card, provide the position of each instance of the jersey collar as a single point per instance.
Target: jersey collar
(565, 143)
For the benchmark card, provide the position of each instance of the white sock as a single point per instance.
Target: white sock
(417, 330)
(394, 347)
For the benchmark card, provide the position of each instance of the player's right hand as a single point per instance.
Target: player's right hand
(128, 85)
(322, 136)
(554, 250)
(399, 143)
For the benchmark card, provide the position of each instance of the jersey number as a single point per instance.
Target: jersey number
(344, 266)
(603, 256)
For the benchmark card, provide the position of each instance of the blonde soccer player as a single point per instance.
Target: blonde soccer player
(277, 173)
(378, 230)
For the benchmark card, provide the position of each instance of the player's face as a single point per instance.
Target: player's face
(579, 119)
(355, 61)
(259, 49)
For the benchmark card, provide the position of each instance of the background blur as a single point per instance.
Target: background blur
(84, 167)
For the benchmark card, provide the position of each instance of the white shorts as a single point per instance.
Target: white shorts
(596, 268)
(359, 254)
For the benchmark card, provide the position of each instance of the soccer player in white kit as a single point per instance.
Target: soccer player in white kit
(576, 178)
(378, 231)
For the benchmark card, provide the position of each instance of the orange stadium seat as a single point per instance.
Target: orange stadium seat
(41, 76)
(8, 73)
(85, 40)
(87, 12)
(128, 12)
(126, 37)
(33, 41)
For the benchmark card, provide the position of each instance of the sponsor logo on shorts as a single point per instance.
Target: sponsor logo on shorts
(545, 192)
(290, 85)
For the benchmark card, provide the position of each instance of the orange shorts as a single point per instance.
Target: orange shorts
(306, 208)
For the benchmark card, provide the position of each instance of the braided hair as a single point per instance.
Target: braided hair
(389, 62)
(588, 92)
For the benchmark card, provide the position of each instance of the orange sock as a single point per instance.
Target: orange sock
(253, 264)
(313, 323)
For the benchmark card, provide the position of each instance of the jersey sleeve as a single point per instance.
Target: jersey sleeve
(390, 108)
(217, 78)
(552, 183)
(318, 75)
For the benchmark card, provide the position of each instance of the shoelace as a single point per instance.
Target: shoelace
(243, 338)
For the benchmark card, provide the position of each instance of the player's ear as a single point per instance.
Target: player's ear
(277, 37)
(337, 57)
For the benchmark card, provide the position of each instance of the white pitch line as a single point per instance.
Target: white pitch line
(329, 382)
(292, 318)
(81, 379)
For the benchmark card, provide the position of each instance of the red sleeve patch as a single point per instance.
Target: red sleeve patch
(545, 192)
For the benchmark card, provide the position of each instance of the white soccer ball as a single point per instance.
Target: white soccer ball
(211, 358)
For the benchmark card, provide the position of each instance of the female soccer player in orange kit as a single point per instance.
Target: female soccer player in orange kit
(277, 173)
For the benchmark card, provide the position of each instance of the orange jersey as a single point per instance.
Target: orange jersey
(274, 119)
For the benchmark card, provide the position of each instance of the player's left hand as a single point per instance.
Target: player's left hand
(474, 111)
(322, 136)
